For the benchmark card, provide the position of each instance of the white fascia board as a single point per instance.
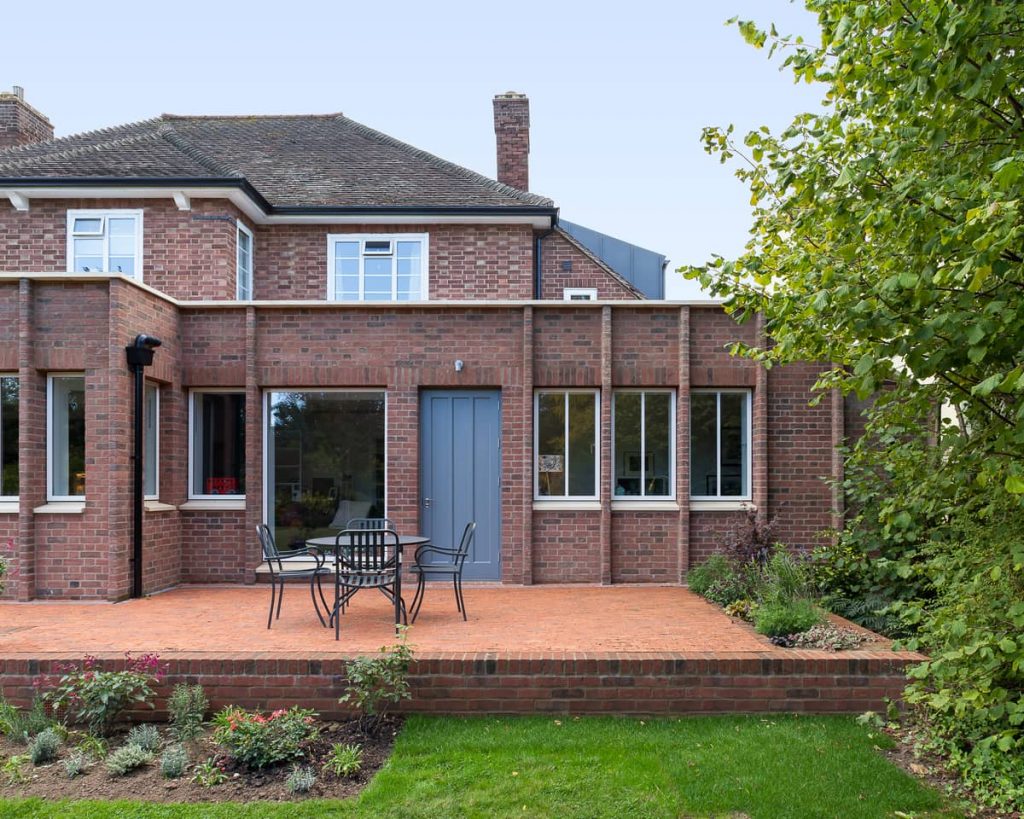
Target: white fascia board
(256, 214)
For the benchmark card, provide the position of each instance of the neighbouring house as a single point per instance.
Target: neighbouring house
(354, 327)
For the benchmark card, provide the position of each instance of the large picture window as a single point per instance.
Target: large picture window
(217, 430)
(377, 267)
(66, 437)
(105, 241)
(720, 445)
(9, 406)
(644, 451)
(566, 444)
(326, 461)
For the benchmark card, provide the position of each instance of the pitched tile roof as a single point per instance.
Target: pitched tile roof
(292, 161)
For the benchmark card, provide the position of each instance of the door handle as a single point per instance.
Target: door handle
(426, 503)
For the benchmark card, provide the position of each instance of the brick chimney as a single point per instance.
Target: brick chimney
(512, 129)
(20, 123)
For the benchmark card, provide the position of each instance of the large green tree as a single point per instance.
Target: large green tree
(888, 242)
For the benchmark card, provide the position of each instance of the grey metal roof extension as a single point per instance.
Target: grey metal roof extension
(314, 161)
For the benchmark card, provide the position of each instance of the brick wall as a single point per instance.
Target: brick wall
(564, 264)
(645, 547)
(20, 123)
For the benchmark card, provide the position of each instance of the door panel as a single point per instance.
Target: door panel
(460, 474)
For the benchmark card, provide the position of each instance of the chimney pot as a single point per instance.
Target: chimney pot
(20, 123)
(512, 133)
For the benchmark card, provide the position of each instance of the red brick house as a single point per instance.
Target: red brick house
(352, 326)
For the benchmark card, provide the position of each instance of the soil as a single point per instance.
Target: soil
(147, 784)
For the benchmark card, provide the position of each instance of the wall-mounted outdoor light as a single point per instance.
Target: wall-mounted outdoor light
(458, 365)
(140, 355)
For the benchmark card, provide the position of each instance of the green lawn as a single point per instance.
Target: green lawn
(594, 767)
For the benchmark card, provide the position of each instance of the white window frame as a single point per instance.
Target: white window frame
(643, 393)
(238, 261)
(748, 461)
(192, 396)
(573, 293)
(362, 238)
(268, 483)
(50, 497)
(103, 214)
(596, 393)
(11, 498)
(156, 495)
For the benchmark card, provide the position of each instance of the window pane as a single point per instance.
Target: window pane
(122, 245)
(67, 421)
(348, 267)
(734, 444)
(703, 444)
(408, 288)
(551, 443)
(218, 456)
(627, 444)
(657, 443)
(122, 264)
(326, 462)
(377, 246)
(87, 225)
(151, 454)
(346, 250)
(89, 247)
(582, 457)
(8, 436)
(121, 226)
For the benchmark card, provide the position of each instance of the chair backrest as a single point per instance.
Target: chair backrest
(366, 552)
(467, 540)
(370, 523)
(271, 554)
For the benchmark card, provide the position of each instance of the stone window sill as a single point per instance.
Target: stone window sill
(61, 508)
(567, 506)
(213, 506)
(641, 505)
(157, 506)
(722, 506)
(9, 507)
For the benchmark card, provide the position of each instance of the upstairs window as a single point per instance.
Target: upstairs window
(105, 241)
(579, 294)
(244, 264)
(377, 267)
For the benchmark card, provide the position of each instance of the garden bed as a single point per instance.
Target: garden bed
(50, 780)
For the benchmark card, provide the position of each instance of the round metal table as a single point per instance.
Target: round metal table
(325, 544)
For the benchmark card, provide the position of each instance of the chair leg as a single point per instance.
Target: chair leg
(417, 599)
(455, 586)
(280, 599)
(273, 594)
(316, 607)
(462, 599)
(320, 591)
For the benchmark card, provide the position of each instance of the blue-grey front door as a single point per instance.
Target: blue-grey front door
(460, 474)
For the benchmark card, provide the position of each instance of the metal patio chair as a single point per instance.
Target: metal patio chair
(371, 523)
(280, 572)
(456, 559)
(365, 559)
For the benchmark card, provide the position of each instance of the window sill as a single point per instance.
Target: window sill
(157, 506)
(213, 505)
(61, 508)
(641, 505)
(722, 506)
(9, 507)
(567, 506)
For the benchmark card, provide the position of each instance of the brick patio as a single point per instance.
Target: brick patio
(574, 649)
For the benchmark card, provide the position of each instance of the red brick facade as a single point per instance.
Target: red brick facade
(20, 123)
(290, 336)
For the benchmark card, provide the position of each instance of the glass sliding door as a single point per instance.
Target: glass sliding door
(325, 462)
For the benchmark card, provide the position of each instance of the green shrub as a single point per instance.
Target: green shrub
(44, 746)
(717, 567)
(345, 760)
(256, 740)
(785, 578)
(300, 780)
(14, 769)
(92, 696)
(21, 724)
(777, 619)
(187, 708)
(93, 746)
(146, 736)
(737, 586)
(127, 758)
(377, 683)
(210, 773)
(76, 763)
(174, 761)
(743, 609)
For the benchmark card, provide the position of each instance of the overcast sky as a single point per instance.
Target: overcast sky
(618, 92)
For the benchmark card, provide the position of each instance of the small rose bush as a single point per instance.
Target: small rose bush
(259, 740)
(86, 694)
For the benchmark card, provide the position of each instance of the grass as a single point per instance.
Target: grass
(775, 767)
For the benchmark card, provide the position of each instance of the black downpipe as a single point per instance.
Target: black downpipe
(538, 285)
(140, 356)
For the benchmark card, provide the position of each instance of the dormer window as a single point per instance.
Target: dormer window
(376, 267)
(105, 241)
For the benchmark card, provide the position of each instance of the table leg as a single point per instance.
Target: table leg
(398, 589)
